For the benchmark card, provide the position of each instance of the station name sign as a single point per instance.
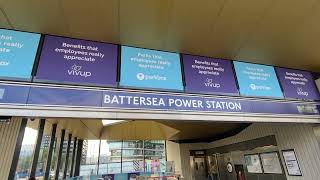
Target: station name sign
(153, 101)
(139, 100)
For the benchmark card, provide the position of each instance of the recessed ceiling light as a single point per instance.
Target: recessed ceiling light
(111, 122)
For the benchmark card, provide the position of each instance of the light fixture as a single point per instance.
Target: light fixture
(106, 122)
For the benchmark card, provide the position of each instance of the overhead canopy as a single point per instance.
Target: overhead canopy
(282, 32)
(144, 130)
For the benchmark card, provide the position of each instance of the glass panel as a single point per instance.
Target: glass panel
(63, 156)
(70, 158)
(44, 150)
(90, 154)
(154, 153)
(75, 157)
(110, 157)
(27, 150)
(133, 144)
(132, 156)
(55, 152)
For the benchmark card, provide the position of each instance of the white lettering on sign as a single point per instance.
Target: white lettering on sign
(207, 68)
(296, 78)
(171, 102)
(223, 105)
(133, 100)
(189, 103)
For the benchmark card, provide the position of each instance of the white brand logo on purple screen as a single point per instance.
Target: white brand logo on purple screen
(76, 71)
(209, 83)
(301, 92)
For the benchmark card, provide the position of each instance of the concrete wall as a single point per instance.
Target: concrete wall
(300, 137)
(173, 154)
(8, 136)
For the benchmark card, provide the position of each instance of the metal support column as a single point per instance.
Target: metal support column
(37, 148)
(63, 132)
(51, 148)
(99, 157)
(67, 157)
(17, 149)
(78, 158)
(73, 156)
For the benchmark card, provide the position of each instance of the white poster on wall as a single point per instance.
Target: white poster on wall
(271, 163)
(253, 163)
(291, 163)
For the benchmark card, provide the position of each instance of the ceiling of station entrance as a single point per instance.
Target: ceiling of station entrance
(175, 130)
(276, 32)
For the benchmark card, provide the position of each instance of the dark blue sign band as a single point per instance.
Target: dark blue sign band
(11, 94)
(58, 96)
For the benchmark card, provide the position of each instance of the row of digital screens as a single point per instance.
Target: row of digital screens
(74, 61)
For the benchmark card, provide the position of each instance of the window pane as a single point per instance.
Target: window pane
(155, 156)
(132, 156)
(44, 150)
(63, 156)
(90, 154)
(70, 158)
(27, 150)
(110, 157)
(54, 157)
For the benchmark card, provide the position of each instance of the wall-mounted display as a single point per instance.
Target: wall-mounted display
(253, 163)
(291, 162)
(257, 80)
(143, 68)
(209, 75)
(271, 163)
(66, 60)
(17, 54)
(297, 84)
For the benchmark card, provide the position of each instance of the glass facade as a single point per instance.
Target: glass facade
(97, 156)
(123, 157)
(44, 150)
(90, 154)
(27, 150)
(63, 156)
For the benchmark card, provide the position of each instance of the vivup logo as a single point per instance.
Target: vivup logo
(301, 92)
(76, 71)
(209, 83)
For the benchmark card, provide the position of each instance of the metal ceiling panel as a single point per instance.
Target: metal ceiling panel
(97, 20)
(189, 24)
(273, 36)
(144, 23)
(236, 22)
(275, 32)
(36, 16)
(3, 20)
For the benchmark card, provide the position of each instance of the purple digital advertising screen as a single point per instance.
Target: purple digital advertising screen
(297, 84)
(209, 75)
(74, 61)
